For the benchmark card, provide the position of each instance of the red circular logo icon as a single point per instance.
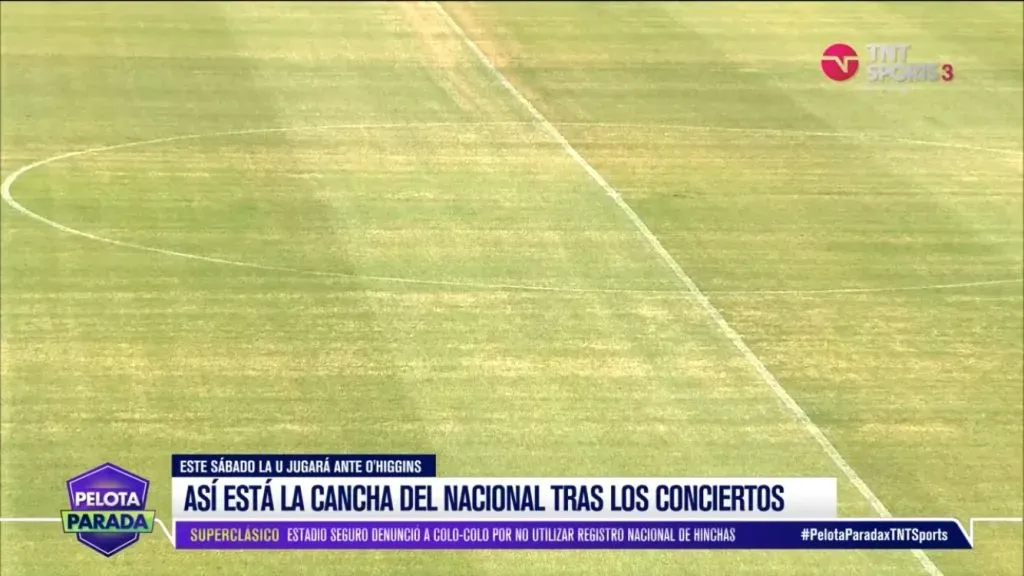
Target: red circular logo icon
(839, 62)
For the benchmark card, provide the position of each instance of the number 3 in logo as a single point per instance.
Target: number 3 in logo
(947, 72)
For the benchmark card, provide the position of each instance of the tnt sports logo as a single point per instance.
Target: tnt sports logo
(887, 63)
(107, 509)
(839, 62)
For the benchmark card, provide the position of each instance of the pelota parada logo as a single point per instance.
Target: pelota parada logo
(886, 63)
(108, 509)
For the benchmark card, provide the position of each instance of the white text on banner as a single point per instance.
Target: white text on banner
(502, 498)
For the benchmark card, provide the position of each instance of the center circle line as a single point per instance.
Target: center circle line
(8, 182)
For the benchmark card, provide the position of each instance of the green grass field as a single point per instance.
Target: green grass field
(401, 155)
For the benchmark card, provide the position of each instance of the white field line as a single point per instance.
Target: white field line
(159, 522)
(991, 520)
(6, 186)
(713, 312)
(8, 183)
(808, 133)
(868, 290)
(5, 193)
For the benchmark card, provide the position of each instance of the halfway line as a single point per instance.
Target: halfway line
(716, 316)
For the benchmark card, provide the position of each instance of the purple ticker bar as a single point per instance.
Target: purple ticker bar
(572, 535)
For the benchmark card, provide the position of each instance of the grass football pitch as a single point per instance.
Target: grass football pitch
(395, 254)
